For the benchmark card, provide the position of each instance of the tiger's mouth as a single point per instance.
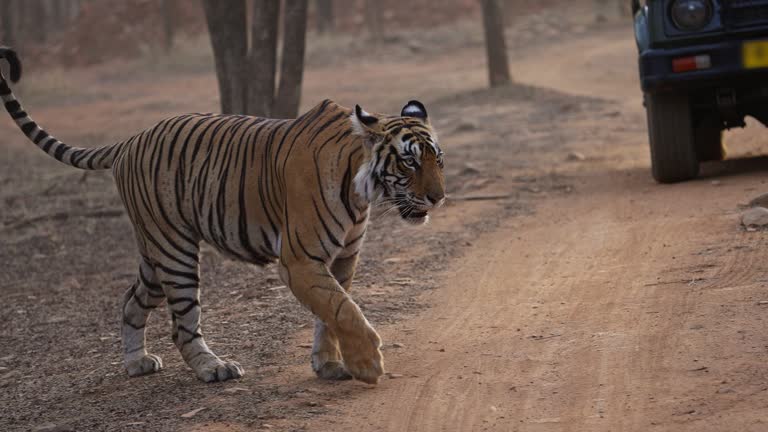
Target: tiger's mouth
(413, 215)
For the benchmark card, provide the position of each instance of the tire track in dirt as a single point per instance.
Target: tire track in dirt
(624, 306)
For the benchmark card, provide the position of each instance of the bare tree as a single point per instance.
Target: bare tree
(325, 21)
(373, 20)
(168, 9)
(263, 58)
(226, 26)
(248, 81)
(9, 21)
(292, 64)
(496, 46)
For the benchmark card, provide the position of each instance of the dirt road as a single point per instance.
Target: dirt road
(589, 299)
(623, 306)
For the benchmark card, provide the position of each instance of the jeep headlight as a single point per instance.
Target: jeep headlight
(691, 14)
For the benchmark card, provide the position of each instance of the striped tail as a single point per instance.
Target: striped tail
(91, 158)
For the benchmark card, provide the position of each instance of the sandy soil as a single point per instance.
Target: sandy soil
(583, 297)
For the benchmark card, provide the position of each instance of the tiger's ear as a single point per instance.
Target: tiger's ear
(415, 109)
(366, 125)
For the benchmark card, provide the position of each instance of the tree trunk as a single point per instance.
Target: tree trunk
(496, 47)
(227, 29)
(9, 22)
(292, 64)
(168, 8)
(324, 16)
(373, 20)
(263, 58)
(38, 19)
(73, 9)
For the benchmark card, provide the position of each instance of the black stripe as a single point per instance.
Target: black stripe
(338, 308)
(137, 327)
(27, 128)
(172, 272)
(4, 89)
(18, 114)
(47, 146)
(60, 151)
(193, 304)
(306, 252)
(12, 106)
(40, 136)
(140, 303)
(354, 240)
(328, 232)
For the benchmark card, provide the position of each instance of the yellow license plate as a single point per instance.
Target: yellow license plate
(755, 54)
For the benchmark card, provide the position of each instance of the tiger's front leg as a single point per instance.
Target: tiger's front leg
(326, 356)
(317, 289)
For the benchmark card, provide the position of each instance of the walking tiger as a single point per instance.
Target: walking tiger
(297, 192)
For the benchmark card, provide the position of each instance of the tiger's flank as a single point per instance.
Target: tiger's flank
(259, 190)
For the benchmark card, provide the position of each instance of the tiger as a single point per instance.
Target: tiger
(296, 192)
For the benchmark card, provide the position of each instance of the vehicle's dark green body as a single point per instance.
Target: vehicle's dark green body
(692, 108)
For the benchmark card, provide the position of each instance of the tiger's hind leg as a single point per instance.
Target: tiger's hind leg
(326, 356)
(180, 284)
(138, 302)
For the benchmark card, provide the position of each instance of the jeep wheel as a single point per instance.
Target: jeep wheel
(670, 129)
(709, 143)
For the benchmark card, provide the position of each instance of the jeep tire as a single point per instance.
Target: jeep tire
(671, 134)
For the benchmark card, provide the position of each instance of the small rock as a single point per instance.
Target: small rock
(724, 390)
(493, 408)
(469, 170)
(696, 327)
(312, 403)
(398, 345)
(575, 157)
(756, 217)
(391, 375)
(192, 413)
(761, 201)
(762, 302)
(305, 345)
(716, 183)
(236, 390)
(467, 126)
(415, 47)
(266, 426)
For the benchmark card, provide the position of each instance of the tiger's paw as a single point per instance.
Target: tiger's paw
(333, 370)
(217, 370)
(363, 359)
(144, 365)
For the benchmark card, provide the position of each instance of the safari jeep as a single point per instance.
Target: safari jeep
(703, 68)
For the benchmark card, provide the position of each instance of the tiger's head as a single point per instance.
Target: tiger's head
(404, 163)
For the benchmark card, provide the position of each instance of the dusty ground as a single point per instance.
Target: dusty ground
(583, 297)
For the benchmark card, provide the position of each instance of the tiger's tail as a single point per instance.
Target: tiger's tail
(84, 158)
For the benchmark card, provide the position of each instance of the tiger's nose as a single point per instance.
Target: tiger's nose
(436, 199)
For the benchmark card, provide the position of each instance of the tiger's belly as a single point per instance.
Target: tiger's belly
(250, 243)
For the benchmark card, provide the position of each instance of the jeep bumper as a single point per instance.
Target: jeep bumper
(726, 68)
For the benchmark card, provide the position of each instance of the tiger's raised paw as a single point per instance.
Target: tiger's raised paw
(143, 366)
(218, 370)
(362, 357)
(334, 371)
(367, 371)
